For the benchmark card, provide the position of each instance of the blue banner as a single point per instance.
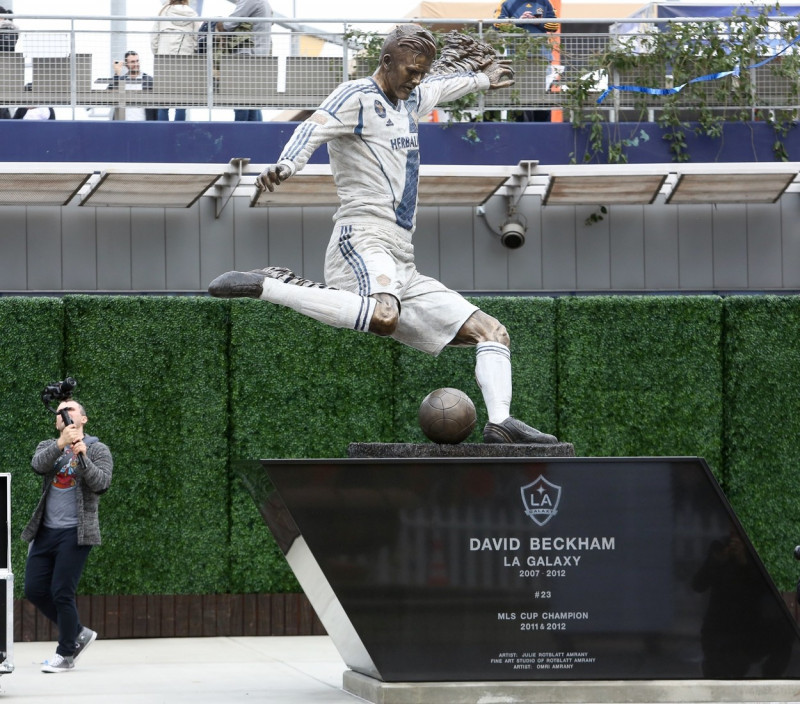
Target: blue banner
(696, 11)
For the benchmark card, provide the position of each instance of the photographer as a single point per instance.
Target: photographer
(531, 10)
(129, 76)
(76, 469)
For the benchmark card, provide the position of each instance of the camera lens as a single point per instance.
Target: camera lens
(797, 552)
(68, 385)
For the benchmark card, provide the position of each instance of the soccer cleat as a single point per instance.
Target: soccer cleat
(287, 276)
(85, 638)
(237, 284)
(58, 663)
(513, 431)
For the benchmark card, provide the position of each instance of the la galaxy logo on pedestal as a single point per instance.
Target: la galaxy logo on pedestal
(540, 499)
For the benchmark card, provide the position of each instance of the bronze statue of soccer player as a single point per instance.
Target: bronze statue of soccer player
(372, 284)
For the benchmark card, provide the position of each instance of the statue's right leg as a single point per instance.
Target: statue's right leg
(335, 307)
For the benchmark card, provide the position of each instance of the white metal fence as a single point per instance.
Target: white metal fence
(70, 63)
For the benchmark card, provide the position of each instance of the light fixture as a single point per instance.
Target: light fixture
(513, 229)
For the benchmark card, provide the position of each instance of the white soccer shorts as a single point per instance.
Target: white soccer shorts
(372, 256)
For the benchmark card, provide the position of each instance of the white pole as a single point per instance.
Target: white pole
(118, 30)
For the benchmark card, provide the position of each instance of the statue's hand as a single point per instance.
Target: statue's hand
(271, 177)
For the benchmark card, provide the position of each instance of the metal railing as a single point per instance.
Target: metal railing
(68, 62)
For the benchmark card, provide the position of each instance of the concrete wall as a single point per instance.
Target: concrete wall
(634, 248)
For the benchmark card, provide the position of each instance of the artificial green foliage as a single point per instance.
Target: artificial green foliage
(762, 420)
(303, 389)
(181, 387)
(641, 376)
(298, 389)
(152, 375)
(31, 357)
(257, 564)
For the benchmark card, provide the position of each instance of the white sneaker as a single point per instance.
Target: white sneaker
(58, 663)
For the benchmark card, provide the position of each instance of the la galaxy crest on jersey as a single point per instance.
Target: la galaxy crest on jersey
(380, 111)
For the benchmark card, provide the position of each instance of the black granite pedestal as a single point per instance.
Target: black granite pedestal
(445, 576)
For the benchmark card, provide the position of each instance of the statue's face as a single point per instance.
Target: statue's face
(401, 71)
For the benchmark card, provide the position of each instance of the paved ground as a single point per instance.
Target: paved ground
(285, 670)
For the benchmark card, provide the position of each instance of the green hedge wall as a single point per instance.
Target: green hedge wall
(182, 387)
(152, 375)
(31, 356)
(762, 425)
(153, 372)
(641, 376)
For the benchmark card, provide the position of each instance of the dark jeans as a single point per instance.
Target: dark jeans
(54, 568)
(180, 115)
(247, 115)
(534, 116)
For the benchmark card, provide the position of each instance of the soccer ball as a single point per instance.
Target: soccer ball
(447, 416)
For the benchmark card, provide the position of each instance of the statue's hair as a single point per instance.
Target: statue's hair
(410, 36)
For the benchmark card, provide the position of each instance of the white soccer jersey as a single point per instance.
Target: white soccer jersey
(373, 145)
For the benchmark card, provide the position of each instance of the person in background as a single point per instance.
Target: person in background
(129, 72)
(9, 34)
(76, 469)
(259, 43)
(178, 36)
(531, 10)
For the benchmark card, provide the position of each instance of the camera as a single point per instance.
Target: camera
(61, 391)
(58, 391)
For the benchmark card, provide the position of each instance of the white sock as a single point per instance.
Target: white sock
(493, 373)
(340, 309)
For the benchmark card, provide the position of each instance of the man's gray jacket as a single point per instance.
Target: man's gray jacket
(91, 481)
